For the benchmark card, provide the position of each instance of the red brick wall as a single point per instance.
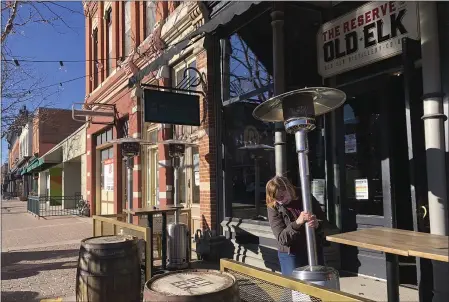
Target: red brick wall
(50, 127)
(207, 150)
(14, 154)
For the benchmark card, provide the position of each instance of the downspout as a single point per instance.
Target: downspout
(280, 139)
(434, 138)
(433, 119)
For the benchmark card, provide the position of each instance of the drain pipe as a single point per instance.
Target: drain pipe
(434, 138)
(433, 119)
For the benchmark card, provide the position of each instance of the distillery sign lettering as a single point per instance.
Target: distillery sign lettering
(371, 33)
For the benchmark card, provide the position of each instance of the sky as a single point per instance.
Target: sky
(40, 41)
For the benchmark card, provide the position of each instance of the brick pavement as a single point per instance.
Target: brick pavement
(39, 256)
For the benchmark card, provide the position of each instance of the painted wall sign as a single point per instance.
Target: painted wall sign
(371, 33)
(108, 175)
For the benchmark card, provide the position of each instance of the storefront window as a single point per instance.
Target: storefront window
(244, 73)
(152, 170)
(105, 155)
(196, 175)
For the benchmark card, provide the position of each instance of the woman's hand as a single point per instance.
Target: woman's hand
(312, 222)
(303, 218)
(309, 218)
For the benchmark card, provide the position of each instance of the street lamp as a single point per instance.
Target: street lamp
(178, 233)
(297, 109)
(256, 151)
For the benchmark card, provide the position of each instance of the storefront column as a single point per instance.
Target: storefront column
(280, 139)
(91, 172)
(434, 138)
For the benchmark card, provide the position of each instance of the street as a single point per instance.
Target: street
(39, 256)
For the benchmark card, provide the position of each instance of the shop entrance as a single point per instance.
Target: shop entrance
(375, 182)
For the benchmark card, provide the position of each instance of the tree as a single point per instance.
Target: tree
(21, 82)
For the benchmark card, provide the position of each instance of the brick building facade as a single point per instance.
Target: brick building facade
(122, 38)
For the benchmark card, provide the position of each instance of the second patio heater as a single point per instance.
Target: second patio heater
(178, 233)
(256, 151)
(297, 110)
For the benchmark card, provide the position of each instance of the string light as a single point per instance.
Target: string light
(61, 62)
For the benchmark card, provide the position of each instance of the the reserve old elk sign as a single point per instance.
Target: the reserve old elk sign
(371, 33)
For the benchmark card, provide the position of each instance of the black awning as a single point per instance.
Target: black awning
(222, 18)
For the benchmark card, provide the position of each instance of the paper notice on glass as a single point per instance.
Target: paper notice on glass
(350, 143)
(108, 175)
(361, 189)
(197, 178)
(318, 189)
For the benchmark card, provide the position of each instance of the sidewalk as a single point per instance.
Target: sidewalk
(39, 256)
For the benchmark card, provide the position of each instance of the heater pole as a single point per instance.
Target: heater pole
(303, 162)
(129, 193)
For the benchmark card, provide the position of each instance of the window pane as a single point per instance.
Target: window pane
(196, 175)
(110, 43)
(111, 153)
(101, 176)
(103, 138)
(151, 17)
(109, 135)
(128, 33)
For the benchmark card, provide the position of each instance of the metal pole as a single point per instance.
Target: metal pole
(277, 24)
(433, 120)
(129, 190)
(434, 138)
(176, 161)
(303, 161)
(257, 184)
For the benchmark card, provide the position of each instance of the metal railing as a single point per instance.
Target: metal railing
(261, 285)
(42, 206)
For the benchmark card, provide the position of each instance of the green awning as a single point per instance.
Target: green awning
(38, 165)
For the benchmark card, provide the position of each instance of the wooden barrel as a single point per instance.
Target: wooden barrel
(192, 286)
(108, 270)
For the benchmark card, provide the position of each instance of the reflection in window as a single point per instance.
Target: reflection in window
(150, 12)
(363, 155)
(246, 72)
(127, 31)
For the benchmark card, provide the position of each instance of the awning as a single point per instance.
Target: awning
(38, 165)
(222, 18)
(46, 161)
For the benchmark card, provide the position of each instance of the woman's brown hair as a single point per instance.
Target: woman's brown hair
(276, 184)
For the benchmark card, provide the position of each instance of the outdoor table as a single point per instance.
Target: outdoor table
(396, 242)
(150, 211)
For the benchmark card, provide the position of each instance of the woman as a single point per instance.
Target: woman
(287, 220)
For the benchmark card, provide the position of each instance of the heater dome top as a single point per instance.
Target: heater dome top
(324, 100)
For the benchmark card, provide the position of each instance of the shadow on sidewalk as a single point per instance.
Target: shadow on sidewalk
(15, 296)
(12, 268)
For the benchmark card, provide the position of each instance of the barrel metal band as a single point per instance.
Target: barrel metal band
(434, 116)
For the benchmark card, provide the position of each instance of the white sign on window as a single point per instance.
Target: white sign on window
(350, 143)
(371, 33)
(361, 189)
(108, 175)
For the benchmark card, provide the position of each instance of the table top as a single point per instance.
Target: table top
(151, 210)
(396, 241)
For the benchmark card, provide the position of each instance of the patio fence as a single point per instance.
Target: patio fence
(43, 206)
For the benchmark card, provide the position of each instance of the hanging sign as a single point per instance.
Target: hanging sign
(361, 189)
(371, 33)
(350, 143)
(108, 175)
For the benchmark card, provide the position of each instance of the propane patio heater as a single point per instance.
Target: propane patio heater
(298, 109)
(178, 233)
(130, 148)
(255, 152)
